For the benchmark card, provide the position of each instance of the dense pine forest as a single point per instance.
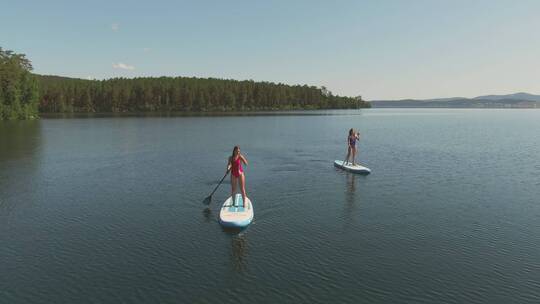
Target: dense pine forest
(23, 93)
(60, 94)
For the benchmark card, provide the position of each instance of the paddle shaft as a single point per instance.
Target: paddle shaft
(226, 173)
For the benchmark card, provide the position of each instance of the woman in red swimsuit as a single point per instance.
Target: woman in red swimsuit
(237, 172)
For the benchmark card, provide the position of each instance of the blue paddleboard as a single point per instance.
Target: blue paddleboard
(234, 214)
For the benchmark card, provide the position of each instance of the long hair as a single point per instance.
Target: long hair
(351, 132)
(235, 149)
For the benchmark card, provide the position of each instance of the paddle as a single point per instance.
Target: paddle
(343, 163)
(208, 199)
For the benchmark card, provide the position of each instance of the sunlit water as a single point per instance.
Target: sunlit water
(108, 210)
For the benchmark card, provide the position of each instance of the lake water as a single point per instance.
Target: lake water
(108, 210)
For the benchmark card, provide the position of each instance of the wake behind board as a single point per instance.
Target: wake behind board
(349, 167)
(234, 215)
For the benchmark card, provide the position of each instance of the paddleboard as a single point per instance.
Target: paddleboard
(349, 167)
(234, 215)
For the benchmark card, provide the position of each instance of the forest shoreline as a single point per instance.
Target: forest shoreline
(25, 95)
(150, 114)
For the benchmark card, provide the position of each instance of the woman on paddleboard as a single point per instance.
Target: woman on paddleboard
(237, 172)
(351, 142)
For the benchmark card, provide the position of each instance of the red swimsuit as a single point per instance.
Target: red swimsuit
(236, 167)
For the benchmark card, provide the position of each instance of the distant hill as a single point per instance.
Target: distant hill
(515, 96)
(517, 100)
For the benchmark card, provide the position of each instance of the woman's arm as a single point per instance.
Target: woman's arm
(244, 160)
(229, 164)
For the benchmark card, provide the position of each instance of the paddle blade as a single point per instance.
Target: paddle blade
(207, 200)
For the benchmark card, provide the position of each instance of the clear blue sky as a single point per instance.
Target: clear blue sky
(377, 49)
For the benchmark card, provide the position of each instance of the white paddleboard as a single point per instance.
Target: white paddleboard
(234, 215)
(349, 167)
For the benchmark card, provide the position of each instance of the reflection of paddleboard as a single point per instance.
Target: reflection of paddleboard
(349, 167)
(234, 215)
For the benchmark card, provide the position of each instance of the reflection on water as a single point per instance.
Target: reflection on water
(20, 145)
(238, 248)
(207, 212)
(19, 139)
(239, 252)
(350, 196)
(207, 114)
(351, 186)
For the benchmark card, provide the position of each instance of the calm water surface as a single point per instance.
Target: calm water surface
(108, 210)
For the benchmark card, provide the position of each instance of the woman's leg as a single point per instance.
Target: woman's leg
(348, 154)
(243, 187)
(233, 186)
(353, 156)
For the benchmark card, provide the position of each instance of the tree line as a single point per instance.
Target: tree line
(22, 94)
(19, 95)
(60, 94)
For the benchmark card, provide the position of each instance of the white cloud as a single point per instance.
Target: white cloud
(90, 78)
(115, 27)
(123, 66)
